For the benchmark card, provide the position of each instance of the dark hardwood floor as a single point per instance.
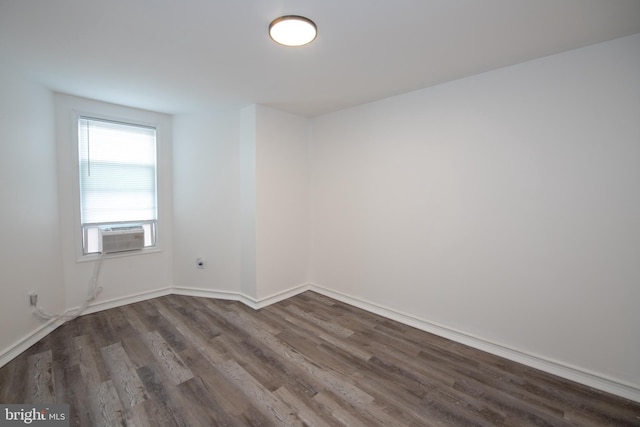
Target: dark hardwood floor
(309, 360)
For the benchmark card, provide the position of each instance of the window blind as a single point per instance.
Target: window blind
(117, 171)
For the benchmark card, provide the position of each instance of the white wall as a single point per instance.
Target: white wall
(241, 202)
(29, 252)
(123, 278)
(282, 201)
(207, 201)
(504, 205)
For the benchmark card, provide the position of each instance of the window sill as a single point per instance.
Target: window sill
(94, 257)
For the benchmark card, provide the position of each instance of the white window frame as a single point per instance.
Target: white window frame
(91, 231)
(162, 137)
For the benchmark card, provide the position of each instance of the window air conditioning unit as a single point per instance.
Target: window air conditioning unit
(120, 239)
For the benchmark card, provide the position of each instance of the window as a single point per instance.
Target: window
(117, 175)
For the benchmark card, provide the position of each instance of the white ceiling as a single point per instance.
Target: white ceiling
(181, 56)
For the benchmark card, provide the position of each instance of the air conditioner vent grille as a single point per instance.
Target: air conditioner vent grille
(120, 239)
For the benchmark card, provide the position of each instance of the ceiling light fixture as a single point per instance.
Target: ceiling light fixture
(293, 30)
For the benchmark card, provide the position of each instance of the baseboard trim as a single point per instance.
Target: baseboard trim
(206, 293)
(45, 329)
(42, 331)
(129, 299)
(576, 374)
(579, 375)
(18, 347)
(281, 296)
(254, 303)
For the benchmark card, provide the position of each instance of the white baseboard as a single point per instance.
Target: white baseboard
(18, 347)
(42, 331)
(129, 299)
(579, 375)
(254, 303)
(206, 293)
(281, 296)
(573, 373)
(14, 350)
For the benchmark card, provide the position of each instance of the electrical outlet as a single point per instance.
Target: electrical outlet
(33, 298)
(199, 263)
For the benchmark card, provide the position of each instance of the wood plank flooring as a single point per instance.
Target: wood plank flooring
(308, 360)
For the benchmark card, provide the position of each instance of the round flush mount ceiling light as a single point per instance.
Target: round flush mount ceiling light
(293, 30)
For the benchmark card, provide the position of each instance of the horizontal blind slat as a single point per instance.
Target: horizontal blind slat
(117, 171)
